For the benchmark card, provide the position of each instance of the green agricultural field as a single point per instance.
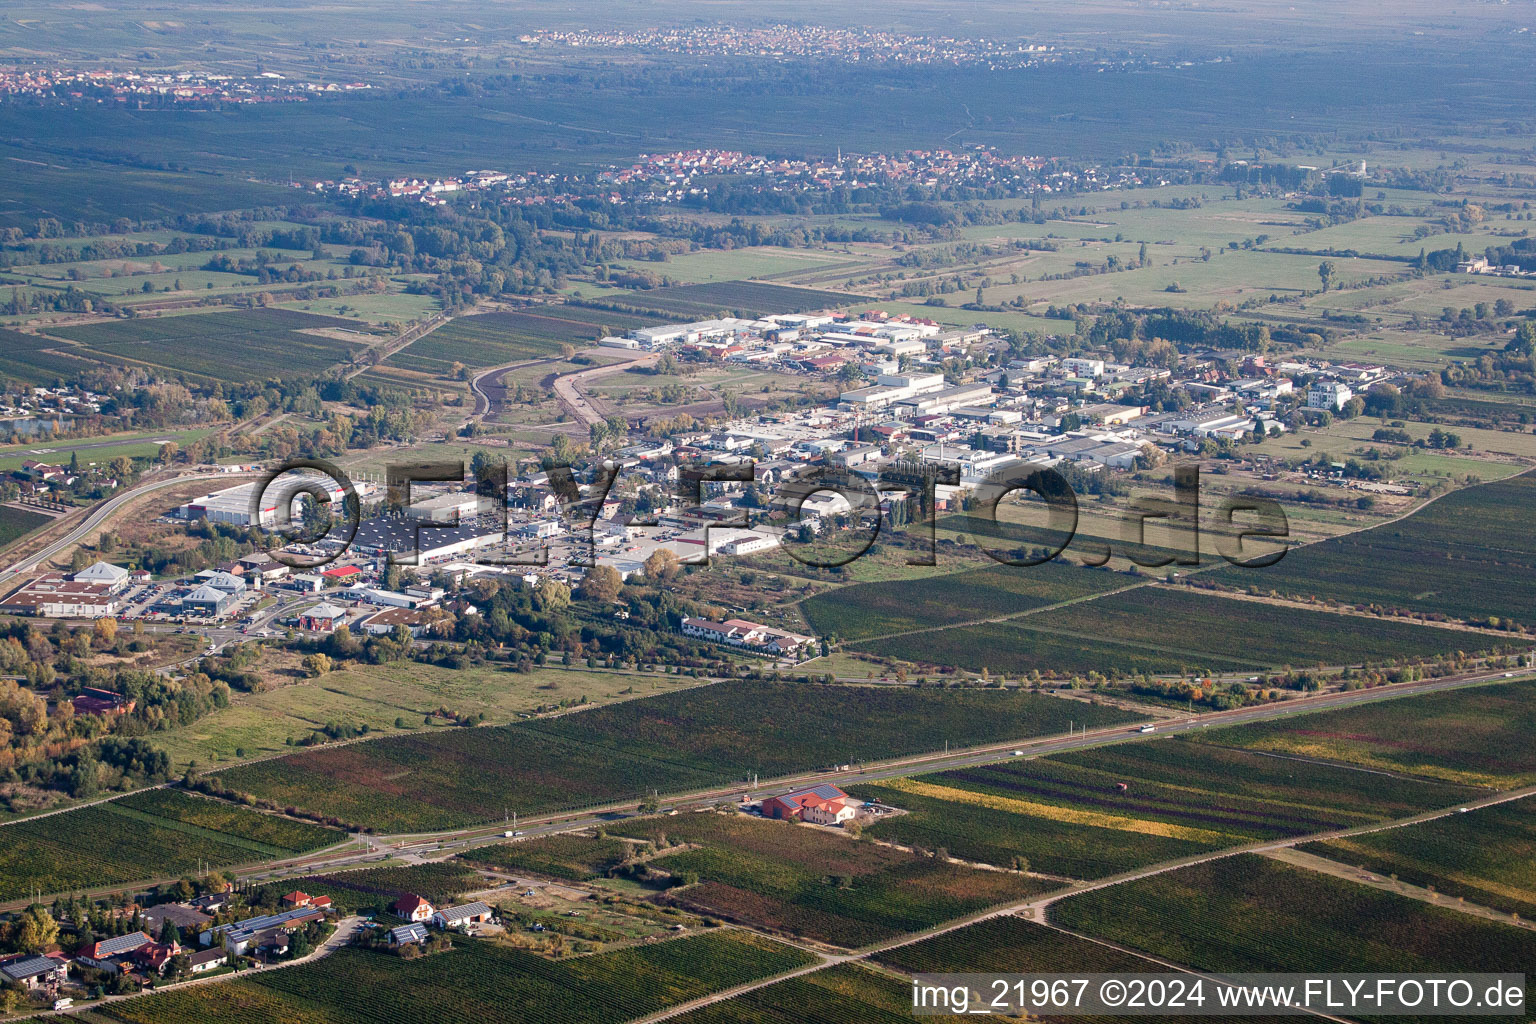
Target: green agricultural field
(575, 857)
(373, 889)
(1014, 649)
(379, 696)
(489, 339)
(1161, 629)
(16, 523)
(1486, 856)
(739, 264)
(227, 819)
(1011, 945)
(873, 609)
(816, 882)
(845, 994)
(693, 739)
(1476, 736)
(737, 298)
(1248, 913)
(37, 360)
(1066, 815)
(237, 345)
(477, 980)
(1195, 621)
(1468, 555)
(153, 835)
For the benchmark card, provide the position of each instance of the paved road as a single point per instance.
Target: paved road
(431, 845)
(94, 518)
(568, 387)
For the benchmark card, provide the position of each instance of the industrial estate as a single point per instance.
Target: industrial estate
(839, 497)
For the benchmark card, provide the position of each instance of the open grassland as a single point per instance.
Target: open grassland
(1476, 736)
(379, 696)
(146, 835)
(1066, 814)
(576, 857)
(717, 265)
(478, 980)
(490, 339)
(733, 298)
(846, 994)
(1486, 856)
(693, 739)
(1468, 555)
(873, 609)
(1161, 629)
(237, 345)
(1247, 913)
(817, 882)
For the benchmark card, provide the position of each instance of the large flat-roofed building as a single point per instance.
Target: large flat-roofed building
(385, 536)
(236, 505)
(692, 334)
(56, 596)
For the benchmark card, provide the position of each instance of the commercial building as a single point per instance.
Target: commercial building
(1328, 394)
(821, 805)
(57, 596)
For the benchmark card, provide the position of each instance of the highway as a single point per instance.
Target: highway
(97, 515)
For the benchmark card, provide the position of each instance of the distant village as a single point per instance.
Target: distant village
(180, 87)
(677, 177)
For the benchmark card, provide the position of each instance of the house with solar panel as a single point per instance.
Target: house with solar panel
(111, 955)
(269, 930)
(462, 917)
(35, 973)
(407, 935)
(820, 805)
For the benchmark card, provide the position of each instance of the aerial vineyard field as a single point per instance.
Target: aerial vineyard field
(16, 523)
(216, 816)
(870, 609)
(440, 882)
(1066, 814)
(1248, 913)
(234, 345)
(561, 856)
(41, 361)
(703, 737)
(1486, 856)
(477, 980)
(1251, 631)
(1010, 945)
(488, 339)
(1467, 555)
(1012, 648)
(154, 835)
(1148, 629)
(845, 994)
(817, 882)
(1478, 736)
